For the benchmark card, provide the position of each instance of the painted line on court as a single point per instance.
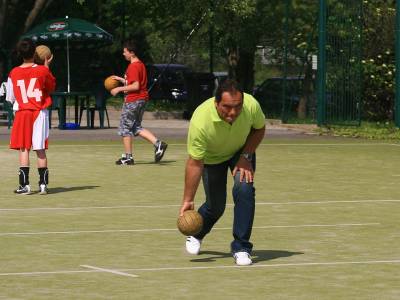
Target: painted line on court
(329, 144)
(109, 271)
(327, 202)
(89, 207)
(94, 145)
(335, 263)
(179, 205)
(280, 144)
(108, 145)
(174, 229)
(263, 144)
(273, 265)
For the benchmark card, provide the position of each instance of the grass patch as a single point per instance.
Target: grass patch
(152, 105)
(115, 102)
(368, 130)
(294, 120)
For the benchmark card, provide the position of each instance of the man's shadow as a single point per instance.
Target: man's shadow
(257, 255)
(56, 190)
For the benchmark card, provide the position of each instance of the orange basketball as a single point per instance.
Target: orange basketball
(190, 223)
(110, 83)
(41, 53)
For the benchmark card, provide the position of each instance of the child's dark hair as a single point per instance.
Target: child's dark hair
(26, 48)
(131, 46)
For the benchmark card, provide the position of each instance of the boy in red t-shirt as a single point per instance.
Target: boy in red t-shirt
(136, 97)
(28, 87)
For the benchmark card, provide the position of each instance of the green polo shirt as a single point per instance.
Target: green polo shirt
(213, 140)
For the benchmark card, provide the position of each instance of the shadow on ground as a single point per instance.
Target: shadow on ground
(56, 190)
(257, 255)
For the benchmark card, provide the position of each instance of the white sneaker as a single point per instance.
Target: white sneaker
(193, 245)
(23, 190)
(43, 189)
(159, 151)
(242, 258)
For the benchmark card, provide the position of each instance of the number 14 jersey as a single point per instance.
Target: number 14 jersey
(30, 87)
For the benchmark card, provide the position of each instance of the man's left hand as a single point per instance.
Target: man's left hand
(245, 168)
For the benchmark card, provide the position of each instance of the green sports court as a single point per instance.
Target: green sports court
(326, 225)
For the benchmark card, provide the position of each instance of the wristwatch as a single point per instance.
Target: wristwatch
(247, 156)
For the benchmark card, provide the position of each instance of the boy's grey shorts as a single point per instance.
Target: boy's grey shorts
(131, 118)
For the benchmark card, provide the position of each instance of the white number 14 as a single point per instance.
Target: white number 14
(31, 92)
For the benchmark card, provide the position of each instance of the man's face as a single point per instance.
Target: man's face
(230, 106)
(128, 55)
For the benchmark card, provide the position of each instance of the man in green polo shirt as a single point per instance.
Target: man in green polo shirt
(224, 133)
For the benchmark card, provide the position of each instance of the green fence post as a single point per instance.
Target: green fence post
(397, 98)
(284, 117)
(211, 37)
(321, 83)
(360, 67)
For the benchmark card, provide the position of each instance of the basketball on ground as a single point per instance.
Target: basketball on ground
(190, 223)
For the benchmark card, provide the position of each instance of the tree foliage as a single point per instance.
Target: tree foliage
(379, 59)
(15, 18)
(238, 27)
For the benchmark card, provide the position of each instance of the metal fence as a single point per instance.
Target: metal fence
(322, 81)
(340, 71)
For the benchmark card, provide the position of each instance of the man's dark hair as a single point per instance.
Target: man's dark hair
(26, 48)
(229, 85)
(131, 46)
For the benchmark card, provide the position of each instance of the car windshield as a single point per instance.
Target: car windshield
(175, 75)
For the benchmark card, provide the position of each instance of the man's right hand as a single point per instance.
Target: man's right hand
(186, 205)
(194, 169)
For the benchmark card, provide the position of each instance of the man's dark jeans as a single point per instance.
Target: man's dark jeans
(214, 181)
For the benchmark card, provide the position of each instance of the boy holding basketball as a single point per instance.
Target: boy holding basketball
(28, 87)
(136, 97)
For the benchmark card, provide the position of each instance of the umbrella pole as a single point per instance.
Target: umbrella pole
(68, 74)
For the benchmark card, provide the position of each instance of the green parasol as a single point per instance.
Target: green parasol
(73, 32)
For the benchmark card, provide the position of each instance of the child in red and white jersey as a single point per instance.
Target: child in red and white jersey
(28, 87)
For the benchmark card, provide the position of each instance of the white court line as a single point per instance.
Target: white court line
(273, 265)
(178, 205)
(90, 207)
(280, 144)
(263, 144)
(109, 271)
(173, 229)
(109, 145)
(330, 144)
(326, 202)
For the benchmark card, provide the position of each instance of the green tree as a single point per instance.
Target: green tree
(379, 59)
(241, 26)
(15, 18)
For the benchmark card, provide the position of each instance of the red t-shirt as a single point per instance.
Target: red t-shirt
(32, 87)
(136, 71)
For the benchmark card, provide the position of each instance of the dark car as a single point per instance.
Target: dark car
(270, 95)
(220, 77)
(167, 82)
